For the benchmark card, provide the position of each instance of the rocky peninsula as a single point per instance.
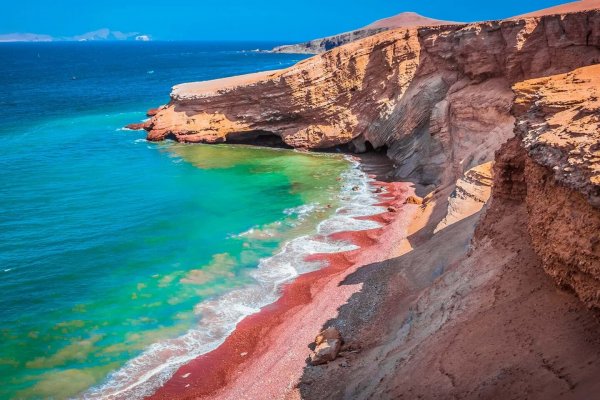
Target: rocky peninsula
(403, 20)
(484, 279)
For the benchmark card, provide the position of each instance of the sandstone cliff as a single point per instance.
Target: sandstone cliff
(558, 125)
(438, 99)
(403, 20)
(469, 312)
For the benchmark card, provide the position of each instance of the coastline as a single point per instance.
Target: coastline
(303, 309)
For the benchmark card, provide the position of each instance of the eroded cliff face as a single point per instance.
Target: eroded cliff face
(470, 313)
(438, 99)
(553, 165)
(559, 122)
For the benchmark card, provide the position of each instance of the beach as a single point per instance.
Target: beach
(277, 339)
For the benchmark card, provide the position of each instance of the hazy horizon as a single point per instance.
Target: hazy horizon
(229, 21)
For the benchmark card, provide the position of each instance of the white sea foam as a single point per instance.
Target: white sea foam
(302, 211)
(142, 375)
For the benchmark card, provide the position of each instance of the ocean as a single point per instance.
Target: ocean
(121, 259)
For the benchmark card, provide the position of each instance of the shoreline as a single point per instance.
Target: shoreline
(256, 346)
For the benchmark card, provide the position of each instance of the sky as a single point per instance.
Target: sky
(268, 20)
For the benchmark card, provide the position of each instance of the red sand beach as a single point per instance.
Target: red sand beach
(258, 360)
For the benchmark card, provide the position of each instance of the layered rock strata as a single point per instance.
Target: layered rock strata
(558, 126)
(438, 99)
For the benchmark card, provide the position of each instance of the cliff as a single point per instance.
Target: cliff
(321, 45)
(469, 313)
(558, 124)
(438, 99)
(403, 20)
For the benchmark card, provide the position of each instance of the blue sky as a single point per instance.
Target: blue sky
(290, 20)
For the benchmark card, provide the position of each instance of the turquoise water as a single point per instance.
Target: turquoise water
(112, 248)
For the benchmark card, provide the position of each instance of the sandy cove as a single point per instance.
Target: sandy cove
(266, 354)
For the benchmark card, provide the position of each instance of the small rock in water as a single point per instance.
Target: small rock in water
(355, 189)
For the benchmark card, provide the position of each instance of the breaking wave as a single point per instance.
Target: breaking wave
(218, 317)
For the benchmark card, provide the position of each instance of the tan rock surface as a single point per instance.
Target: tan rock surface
(471, 193)
(325, 352)
(559, 121)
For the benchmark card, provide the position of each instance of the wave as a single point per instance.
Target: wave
(218, 317)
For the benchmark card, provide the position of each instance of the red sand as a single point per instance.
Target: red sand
(261, 346)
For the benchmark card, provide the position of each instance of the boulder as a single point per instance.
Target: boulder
(325, 352)
(328, 344)
(414, 200)
(329, 333)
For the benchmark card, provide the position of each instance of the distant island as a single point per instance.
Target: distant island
(103, 34)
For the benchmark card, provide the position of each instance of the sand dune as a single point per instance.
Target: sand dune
(575, 6)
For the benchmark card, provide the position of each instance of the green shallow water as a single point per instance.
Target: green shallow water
(106, 301)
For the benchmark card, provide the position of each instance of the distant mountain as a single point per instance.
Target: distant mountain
(104, 34)
(404, 20)
(25, 37)
(407, 20)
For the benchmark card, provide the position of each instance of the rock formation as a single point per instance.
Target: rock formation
(558, 118)
(403, 20)
(438, 99)
(558, 123)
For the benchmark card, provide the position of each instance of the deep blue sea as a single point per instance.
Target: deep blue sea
(121, 259)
